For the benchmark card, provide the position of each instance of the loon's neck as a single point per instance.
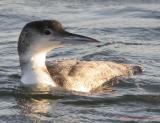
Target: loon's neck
(34, 70)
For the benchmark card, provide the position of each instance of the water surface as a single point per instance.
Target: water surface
(129, 31)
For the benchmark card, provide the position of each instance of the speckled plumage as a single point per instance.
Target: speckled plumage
(88, 75)
(33, 45)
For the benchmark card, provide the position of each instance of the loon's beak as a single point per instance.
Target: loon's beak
(70, 38)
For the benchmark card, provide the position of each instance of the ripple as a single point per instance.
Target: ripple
(129, 31)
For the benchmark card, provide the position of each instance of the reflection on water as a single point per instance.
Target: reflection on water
(37, 110)
(41, 105)
(52, 110)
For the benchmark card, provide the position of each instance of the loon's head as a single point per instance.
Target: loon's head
(44, 35)
(36, 39)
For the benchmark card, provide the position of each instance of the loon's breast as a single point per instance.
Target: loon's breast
(86, 76)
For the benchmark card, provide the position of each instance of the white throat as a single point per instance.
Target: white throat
(35, 72)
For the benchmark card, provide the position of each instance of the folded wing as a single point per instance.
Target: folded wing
(85, 76)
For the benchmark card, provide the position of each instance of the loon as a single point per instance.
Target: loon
(39, 37)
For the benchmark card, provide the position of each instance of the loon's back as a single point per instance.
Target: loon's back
(85, 76)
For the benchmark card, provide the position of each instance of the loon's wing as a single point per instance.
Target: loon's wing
(88, 75)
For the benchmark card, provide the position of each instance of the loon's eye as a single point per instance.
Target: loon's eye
(47, 31)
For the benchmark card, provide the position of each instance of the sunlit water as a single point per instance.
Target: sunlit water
(129, 31)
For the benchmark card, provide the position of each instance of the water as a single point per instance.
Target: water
(129, 32)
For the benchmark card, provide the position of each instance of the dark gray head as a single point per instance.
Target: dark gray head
(44, 35)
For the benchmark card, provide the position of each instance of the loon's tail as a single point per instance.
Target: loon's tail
(137, 69)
